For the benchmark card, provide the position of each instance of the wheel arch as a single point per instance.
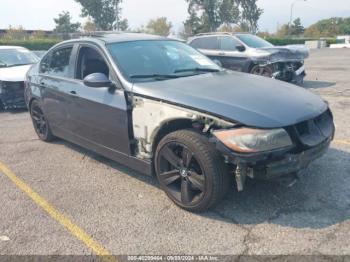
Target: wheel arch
(169, 127)
(152, 120)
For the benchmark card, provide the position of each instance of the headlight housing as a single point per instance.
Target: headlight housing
(250, 140)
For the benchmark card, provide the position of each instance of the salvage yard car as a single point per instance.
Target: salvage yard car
(159, 106)
(251, 54)
(15, 62)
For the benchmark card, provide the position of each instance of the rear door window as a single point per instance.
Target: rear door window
(59, 62)
(210, 43)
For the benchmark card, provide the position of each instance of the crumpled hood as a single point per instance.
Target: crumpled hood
(248, 99)
(281, 53)
(14, 74)
(297, 50)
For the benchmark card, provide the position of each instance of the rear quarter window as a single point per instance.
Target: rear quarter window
(210, 43)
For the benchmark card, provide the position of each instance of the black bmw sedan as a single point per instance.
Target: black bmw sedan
(161, 107)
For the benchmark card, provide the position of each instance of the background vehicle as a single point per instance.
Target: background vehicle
(157, 104)
(251, 54)
(14, 64)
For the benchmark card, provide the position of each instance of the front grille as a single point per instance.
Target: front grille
(315, 131)
(12, 94)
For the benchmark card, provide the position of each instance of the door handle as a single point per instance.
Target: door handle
(43, 84)
(222, 53)
(73, 92)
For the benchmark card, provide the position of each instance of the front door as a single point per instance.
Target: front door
(229, 56)
(98, 116)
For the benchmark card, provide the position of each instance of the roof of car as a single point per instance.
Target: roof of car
(115, 37)
(220, 33)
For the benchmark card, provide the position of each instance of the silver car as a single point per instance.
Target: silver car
(251, 54)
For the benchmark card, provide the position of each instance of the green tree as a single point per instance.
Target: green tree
(329, 27)
(159, 26)
(64, 24)
(89, 26)
(297, 28)
(209, 15)
(251, 14)
(229, 12)
(123, 25)
(106, 14)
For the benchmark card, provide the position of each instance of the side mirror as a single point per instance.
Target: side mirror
(240, 48)
(97, 80)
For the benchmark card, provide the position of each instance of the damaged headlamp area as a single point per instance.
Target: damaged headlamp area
(249, 140)
(12, 95)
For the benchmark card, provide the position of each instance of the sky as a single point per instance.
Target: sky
(39, 14)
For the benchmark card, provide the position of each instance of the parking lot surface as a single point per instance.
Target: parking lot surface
(127, 213)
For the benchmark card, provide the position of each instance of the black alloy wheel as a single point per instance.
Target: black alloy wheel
(190, 170)
(181, 173)
(40, 123)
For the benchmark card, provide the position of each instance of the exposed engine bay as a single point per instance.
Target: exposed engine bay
(282, 63)
(12, 95)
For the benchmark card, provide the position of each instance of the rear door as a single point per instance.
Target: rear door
(208, 46)
(55, 80)
(98, 116)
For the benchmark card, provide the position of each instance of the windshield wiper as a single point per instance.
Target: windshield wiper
(156, 76)
(197, 69)
(3, 64)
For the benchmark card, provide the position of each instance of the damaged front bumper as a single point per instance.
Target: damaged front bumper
(274, 165)
(311, 140)
(12, 95)
(293, 72)
(286, 63)
(289, 71)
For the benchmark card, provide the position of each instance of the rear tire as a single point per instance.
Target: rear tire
(40, 123)
(191, 171)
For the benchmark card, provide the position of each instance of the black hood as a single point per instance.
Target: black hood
(248, 99)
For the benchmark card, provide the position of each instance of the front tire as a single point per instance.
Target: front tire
(40, 123)
(266, 71)
(191, 171)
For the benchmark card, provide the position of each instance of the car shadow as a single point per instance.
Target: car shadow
(320, 199)
(317, 84)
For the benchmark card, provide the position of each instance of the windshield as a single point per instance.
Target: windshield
(16, 57)
(156, 60)
(253, 41)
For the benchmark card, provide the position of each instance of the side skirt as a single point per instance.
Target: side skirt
(142, 166)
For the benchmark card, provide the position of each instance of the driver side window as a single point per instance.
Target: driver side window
(90, 61)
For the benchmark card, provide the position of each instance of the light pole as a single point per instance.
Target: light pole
(291, 14)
